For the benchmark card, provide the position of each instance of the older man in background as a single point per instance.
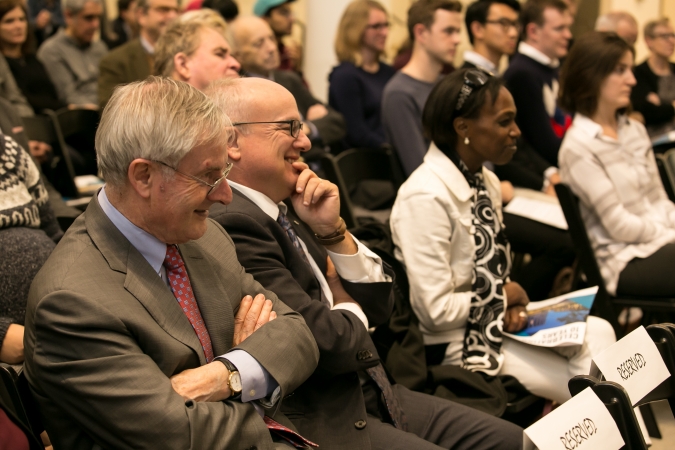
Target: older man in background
(72, 56)
(194, 50)
(255, 47)
(142, 329)
(133, 61)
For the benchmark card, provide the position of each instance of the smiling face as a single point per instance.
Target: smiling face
(616, 88)
(493, 133)
(211, 61)
(13, 27)
(263, 153)
(179, 205)
(375, 36)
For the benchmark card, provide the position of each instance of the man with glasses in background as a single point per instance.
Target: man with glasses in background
(493, 27)
(434, 27)
(133, 61)
(532, 76)
(143, 330)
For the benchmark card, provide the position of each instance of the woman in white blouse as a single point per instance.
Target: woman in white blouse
(607, 160)
(448, 231)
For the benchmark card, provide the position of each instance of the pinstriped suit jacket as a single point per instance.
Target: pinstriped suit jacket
(104, 334)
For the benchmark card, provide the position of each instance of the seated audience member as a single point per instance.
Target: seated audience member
(654, 93)
(134, 60)
(357, 83)
(255, 48)
(27, 72)
(279, 15)
(434, 27)
(194, 50)
(28, 232)
(196, 374)
(226, 8)
(447, 228)
(72, 56)
(493, 28)
(124, 28)
(607, 160)
(532, 76)
(302, 250)
(620, 22)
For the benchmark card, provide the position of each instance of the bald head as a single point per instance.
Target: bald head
(620, 22)
(244, 99)
(255, 46)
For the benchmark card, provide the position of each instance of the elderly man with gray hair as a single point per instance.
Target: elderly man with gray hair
(72, 56)
(142, 329)
(620, 22)
(194, 49)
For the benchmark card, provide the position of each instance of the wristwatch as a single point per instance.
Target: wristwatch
(233, 381)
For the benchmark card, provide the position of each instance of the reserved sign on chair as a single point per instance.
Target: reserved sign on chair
(635, 363)
(582, 422)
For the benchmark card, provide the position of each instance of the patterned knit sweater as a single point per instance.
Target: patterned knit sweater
(28, 230)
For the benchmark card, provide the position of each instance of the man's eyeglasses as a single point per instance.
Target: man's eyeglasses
(474, 79)
(213, 185)
(506, 24)
(294, 126)
(378, 26)
(664, 36)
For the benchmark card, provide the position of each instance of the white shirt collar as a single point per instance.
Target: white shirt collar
(261, 200)
(479, 61)
(527, 50)
(593, 129)
(152, 249)
(147, 46)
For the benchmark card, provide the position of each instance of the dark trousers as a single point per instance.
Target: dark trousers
(651, 277)
(435, 423)
(551, 250)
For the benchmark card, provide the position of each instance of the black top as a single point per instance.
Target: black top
(357, 94)
(35, 84)
(647, 82)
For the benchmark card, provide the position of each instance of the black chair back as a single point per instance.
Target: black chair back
(43, 128)
(587, 262)
(667, 178)
(11, 403)
(663, 336)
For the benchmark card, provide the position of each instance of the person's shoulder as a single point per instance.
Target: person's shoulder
(51, 46)
(343, 70)
(386, 69)
(402, 84)
(287, 78)
(240, 208)
(521, 64)
(123, 51)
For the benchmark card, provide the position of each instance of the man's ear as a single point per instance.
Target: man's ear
(181, 66)
(141, 176)
(532, 32)
(478, 30)
(461, 127)
(233, 150)
(419, 31)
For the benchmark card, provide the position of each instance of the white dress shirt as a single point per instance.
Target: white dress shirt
(362, 267)
(480, 61)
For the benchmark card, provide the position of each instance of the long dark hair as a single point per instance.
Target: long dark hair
(593, 57)
(440, 110)
(6, 6)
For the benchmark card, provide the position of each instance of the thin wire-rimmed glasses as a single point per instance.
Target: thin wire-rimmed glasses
(473, 79)
(213, 186)
(294, 126)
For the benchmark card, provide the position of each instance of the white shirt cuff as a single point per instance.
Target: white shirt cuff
(362, 267)
(256, 382)
(356, 309)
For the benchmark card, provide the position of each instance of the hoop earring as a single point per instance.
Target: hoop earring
(466, 140)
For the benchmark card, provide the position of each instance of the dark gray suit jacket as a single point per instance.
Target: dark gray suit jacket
(104, 334)
(328, 406)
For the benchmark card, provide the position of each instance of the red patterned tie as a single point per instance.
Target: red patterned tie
(287, 434)
(182, 290)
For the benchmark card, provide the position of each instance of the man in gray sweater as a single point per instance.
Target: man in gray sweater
(72, 56)
(434, 28)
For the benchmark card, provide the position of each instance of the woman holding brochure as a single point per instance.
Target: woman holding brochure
(607, 160)
(448, 230)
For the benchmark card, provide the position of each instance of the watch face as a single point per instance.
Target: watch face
(235, 382)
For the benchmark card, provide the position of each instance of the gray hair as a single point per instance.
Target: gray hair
(75, 6)
(232, 97)
(610, 21)
(157, 119)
